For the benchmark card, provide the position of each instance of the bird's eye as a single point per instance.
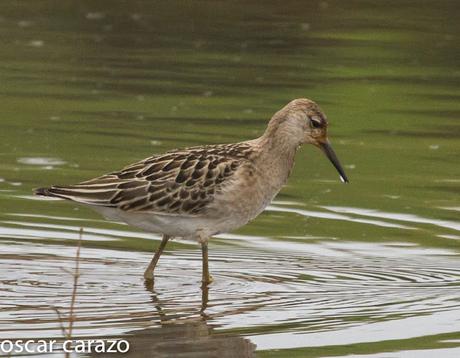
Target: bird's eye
(315, 123)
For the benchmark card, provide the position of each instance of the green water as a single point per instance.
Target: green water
(369, 269)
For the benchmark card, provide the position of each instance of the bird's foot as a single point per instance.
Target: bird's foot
(207, 281)
(148, 275)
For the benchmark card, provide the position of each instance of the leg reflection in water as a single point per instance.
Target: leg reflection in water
(183, 332)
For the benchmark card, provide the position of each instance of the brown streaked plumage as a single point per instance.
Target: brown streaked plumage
(182, 182)
(200, 191)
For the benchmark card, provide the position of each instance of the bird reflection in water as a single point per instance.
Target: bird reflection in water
(185, 335)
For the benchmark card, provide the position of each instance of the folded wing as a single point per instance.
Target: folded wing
(178, 182)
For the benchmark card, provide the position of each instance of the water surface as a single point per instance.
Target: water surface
(369, 269)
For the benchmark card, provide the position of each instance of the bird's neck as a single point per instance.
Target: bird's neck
(276, 156)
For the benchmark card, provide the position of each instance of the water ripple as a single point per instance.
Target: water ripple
(311, 293)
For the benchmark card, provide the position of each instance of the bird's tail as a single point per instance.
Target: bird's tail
(46, 192)
(80, 193)
(42, 192)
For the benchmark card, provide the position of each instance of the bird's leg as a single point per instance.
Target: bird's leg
(148, 274)
(204, 299)
(206, 278)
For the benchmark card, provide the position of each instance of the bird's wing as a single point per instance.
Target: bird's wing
(180, 182)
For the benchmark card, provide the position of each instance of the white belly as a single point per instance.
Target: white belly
(187, 227)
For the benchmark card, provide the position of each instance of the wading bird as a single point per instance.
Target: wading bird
(197, 192)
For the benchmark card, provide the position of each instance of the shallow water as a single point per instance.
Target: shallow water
(369, 269)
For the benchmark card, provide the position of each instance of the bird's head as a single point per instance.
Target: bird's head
(301, 121)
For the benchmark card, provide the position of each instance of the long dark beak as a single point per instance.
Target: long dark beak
(327, 149)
